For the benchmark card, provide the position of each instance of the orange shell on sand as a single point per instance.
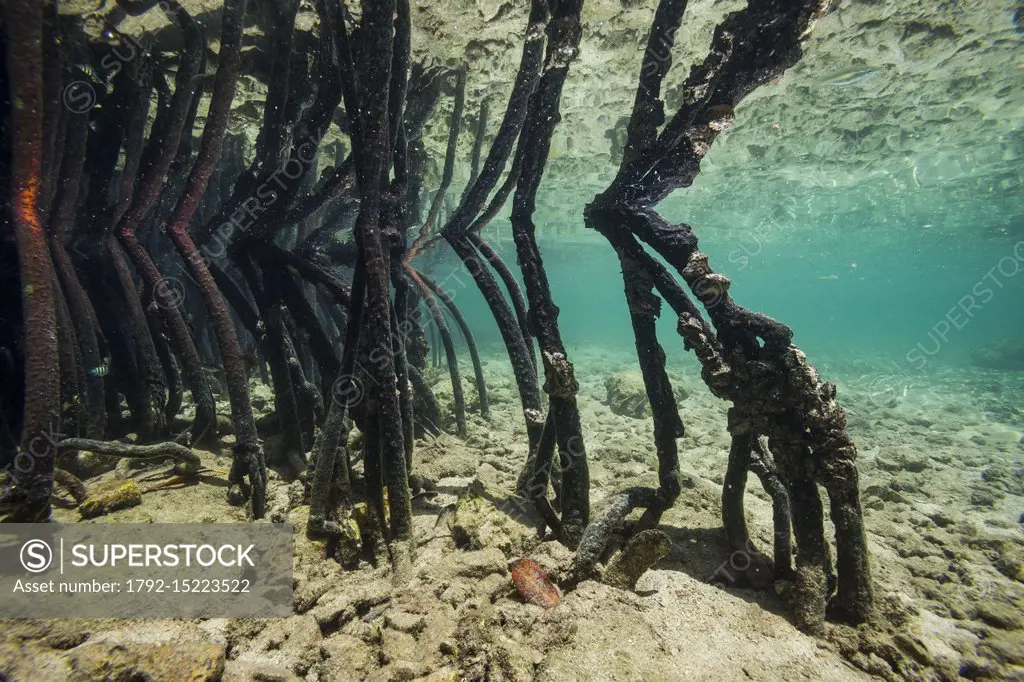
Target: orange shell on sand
(533, 584)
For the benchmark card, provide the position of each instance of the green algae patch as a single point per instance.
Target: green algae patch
(110, 498)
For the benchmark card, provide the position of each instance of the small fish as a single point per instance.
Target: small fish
(102, 370)
(533, 584)
(84, 70)
(848, 77)
(829, 277)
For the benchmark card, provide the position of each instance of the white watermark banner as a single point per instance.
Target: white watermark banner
(145, 570)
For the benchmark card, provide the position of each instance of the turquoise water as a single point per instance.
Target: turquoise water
(919, 297)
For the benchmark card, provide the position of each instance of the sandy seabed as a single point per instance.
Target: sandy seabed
(942, 482)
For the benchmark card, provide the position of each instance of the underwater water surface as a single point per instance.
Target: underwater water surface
(918, 297)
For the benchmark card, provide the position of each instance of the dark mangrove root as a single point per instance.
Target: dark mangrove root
(457, 227)
(810, 591)
(428, 410)
(405, 401)
(248, 453)
(763, 466)
(275, 346)
(539, 473)
(147, 409)
(515, 344)
(72, 374)
(373, 473)
(837, 473)
(458, 395)
(319, 342)
(467, 334)
(757, 573)
(515, 293)
(170, 124)
(560, 382)
(748, 355)
(372, 151)
(330, 487)
(329, 475)
(83, 315)
(128, 451)
(24, 22)
(449, 169)
(148, 416)
(599, 533)
(733, 490)
(644, 310)
(172, 375)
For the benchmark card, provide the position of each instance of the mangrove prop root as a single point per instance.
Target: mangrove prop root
(515, 293)
(428, 410)
(129, 451)
(456, 229)
(467, 334)
(72, 373)
(600, 531)
(536, 475)
(644, 309)
(24, 27)
(733, 489)
(71, 483)
(248, 452)
(458, 395)
(405, 402)
(382, 401)
(449, 168)
(747, 353)
(560, 383)
(170, 124)
(762, 465)
(330, 476)
(643, 550)
(82, 313)
(518, 351)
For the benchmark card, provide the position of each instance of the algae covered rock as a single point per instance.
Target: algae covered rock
(483, 518)
(627, 395)
(111, 497)
(184, 661)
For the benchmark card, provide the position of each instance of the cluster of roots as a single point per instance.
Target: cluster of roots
(147, 259)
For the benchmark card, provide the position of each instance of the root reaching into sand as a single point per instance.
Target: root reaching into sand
(128, 451)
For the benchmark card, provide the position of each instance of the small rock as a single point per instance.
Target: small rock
(256, 671)
(225, 425)
(180, 661)
(627, 395)
(110, 497)
(408, 623)
(397, 646)
(983, 497)
(457, 593)
(347, 658)
(1000, 615)
(479, 564)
